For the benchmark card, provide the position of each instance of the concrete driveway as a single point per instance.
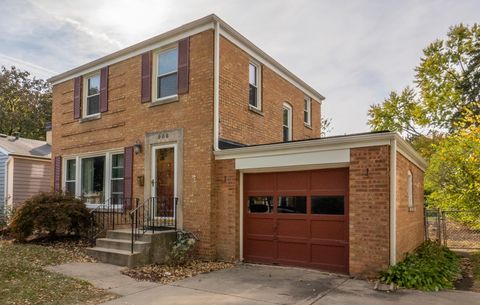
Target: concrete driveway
(256, 285)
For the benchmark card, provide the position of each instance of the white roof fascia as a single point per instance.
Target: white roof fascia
(325, 144)
(410, 153)
(4, 151)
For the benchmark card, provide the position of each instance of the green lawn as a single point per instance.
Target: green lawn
(24, 281)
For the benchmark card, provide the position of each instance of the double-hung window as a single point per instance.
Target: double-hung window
(70, 176)
(307, 110)
(254, 86)
(287, 122)
(117, 178)
(92, 95)
(166, 73)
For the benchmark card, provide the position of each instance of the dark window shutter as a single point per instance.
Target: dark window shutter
(104, 89)
(128, 175)
(146, 77)
(77, 98)
(57, 174)
(183, 59)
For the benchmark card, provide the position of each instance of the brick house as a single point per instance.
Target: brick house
(200, 118)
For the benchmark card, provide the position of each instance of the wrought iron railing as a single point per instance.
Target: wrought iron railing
(154, 214)
(113, 212)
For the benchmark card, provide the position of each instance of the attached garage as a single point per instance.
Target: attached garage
(297, 218)
(337, 204)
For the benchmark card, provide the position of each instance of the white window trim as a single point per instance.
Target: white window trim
(111, 170)
(411, 205)
(258, 75)
(308, 110)
(155, 75)
(85, 95)
(78, 174)
(289, 107)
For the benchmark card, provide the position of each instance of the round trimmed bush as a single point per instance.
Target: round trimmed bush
(53, 214)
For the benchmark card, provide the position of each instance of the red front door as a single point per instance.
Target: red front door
(297, 218)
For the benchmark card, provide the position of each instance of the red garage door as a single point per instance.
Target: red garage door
(297, 218)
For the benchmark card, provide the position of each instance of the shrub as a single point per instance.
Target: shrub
(50, 213)
(182, 249)
(431, 267)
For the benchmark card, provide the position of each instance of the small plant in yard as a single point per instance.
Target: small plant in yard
(182, 249)
(50, 213)
(431, 267)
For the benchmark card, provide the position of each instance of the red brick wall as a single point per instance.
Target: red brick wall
(240, 124)
(369, 210)
(227, 190)
(410, 224)
(128, 120)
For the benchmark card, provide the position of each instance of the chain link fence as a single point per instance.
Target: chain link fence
(456, 229)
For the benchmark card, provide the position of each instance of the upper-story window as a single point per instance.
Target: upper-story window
(166, 73)
(307, 110)
(92, 95)
(254, 85)
(287, 122)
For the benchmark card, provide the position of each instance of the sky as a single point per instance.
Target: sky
(352, 52)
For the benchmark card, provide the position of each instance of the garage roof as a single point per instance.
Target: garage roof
(325, 144)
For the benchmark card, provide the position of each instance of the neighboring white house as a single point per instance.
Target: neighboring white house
(25, 169)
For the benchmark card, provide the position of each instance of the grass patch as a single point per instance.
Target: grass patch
(431, 267)
(24, 281)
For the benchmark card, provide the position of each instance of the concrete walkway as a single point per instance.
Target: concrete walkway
(256, 285)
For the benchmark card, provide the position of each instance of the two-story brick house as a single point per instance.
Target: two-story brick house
(201, 115)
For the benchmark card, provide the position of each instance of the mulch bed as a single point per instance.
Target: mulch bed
(167, 274)
(467, 280)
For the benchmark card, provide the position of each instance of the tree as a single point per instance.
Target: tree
(440, 117)
(453, 173)
(447, 86)
(25, 103)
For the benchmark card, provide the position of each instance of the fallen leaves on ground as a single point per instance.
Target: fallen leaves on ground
(166, 274)
(24, 281)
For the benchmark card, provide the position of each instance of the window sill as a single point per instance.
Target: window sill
(309, 126)
(164, 100)
(255, 110)
(91, 118)
(412, 209)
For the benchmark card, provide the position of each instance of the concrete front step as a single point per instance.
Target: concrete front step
(118, 257)
(152, 247)
(122, 244)
(126, 234)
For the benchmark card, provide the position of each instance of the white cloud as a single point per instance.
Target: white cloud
(353, 52)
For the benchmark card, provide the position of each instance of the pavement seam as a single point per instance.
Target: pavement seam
(230, 295)
(321, 295)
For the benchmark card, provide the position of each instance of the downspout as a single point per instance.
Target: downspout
(216, 83)
(393, 200)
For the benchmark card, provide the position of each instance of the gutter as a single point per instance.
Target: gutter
(393, 200)
(216, 85)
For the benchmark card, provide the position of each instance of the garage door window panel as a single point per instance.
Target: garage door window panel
(292, 204)
(328, 205)
(260, 204)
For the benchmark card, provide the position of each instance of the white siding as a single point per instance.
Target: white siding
(3, 159)
(29, 178)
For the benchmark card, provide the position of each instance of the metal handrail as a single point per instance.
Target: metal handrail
(155, 213)
(110, 213)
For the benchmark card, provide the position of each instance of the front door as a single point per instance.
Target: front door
(163, 182)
